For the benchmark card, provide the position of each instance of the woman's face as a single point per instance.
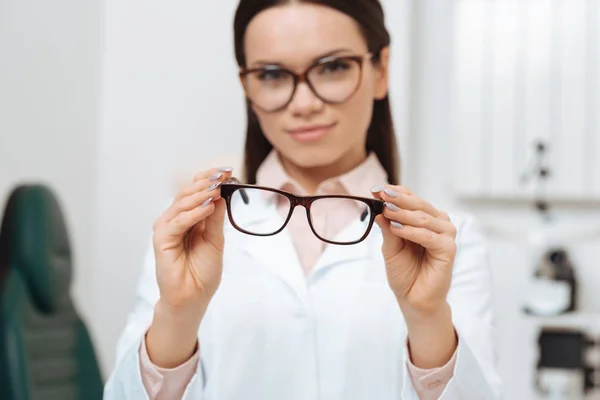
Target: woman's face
(309, 132)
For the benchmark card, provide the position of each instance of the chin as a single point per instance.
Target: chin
(313, 158)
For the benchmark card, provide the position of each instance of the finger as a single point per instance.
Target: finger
(392, 243)
(182, 222)
(445, 216)
(418, 218)
(400, 198)
(213, 171)
(204, 180)
(195, 194)
(214, 224)
(377, 190)
(430, 240)
(208, 185)
(204, 191)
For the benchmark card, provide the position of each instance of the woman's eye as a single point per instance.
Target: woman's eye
(270, 75)
(335, 67)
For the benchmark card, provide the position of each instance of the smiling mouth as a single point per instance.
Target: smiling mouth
(311, 133)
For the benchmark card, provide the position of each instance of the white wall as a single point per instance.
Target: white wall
(512, 258)
(49, 79)
(524, 72)
(170, 99)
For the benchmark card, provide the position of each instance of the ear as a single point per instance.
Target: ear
(382, 74)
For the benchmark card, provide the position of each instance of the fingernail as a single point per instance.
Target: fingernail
(391, 206)
(206, 202)
(390, 193)
(214, 177)
(225, 169)
(376, 189)
(213, 186)
(396, 224)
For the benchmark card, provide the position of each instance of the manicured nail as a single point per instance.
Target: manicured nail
(214, 177)
(390, 193)
(376, 189)
(396, 224)
(225, 169)
(206, 202)
(213, 186)
(391, 206)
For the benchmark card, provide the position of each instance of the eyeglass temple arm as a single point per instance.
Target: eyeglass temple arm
(243, 193)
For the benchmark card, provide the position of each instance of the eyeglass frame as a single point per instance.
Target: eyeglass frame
(303, 77)
(231, 185)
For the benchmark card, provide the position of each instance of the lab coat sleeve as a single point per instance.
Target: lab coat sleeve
(125, 381)
(470, 298)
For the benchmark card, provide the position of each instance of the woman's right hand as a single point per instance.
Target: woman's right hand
(188, 243)
(188, 248)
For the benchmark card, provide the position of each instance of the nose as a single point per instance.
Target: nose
(305, 102)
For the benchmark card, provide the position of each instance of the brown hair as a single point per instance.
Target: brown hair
(380, 137)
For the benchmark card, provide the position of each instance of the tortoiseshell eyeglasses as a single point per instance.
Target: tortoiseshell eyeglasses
(332, 79)
(240, 199)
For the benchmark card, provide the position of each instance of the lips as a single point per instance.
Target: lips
(311, 132)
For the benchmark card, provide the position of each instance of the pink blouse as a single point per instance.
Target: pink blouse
(168, 384)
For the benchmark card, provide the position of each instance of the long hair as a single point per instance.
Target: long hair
(380, 137)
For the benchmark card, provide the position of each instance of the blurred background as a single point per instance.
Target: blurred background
(114, 103)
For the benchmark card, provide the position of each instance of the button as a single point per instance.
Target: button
(434, 384)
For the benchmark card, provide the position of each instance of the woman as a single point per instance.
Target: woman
(404, 313)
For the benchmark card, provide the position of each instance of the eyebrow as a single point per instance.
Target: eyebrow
(261, 63)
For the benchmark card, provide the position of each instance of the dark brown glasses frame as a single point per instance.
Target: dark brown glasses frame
(303, 77)
(229, 187)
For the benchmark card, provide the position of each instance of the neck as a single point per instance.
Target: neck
(310, 178)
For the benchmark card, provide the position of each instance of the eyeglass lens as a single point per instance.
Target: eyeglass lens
(327, 213)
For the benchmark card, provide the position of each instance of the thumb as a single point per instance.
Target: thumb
(392, 244)
(214, 223)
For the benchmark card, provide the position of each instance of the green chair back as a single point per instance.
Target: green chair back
(45, 349)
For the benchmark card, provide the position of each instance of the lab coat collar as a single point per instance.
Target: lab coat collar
(357, 182)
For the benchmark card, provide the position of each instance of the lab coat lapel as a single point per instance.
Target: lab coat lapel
(278, 254)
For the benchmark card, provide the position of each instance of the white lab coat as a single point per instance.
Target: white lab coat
(271, 333)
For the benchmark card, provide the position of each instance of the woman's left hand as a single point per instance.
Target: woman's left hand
(418, 248)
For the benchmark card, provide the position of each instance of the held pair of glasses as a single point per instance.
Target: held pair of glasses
(240, 198)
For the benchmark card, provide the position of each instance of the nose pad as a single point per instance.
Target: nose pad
(245, 197)
(364, 214)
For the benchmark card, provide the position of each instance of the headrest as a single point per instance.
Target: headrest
(37, 245)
